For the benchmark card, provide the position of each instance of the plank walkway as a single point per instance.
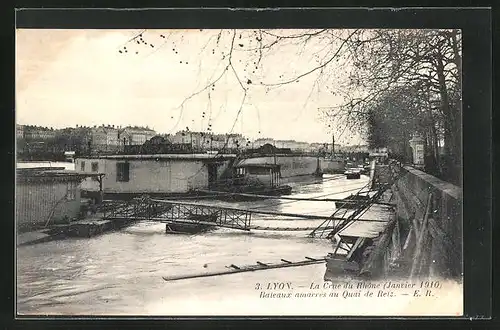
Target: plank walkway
(234, 269)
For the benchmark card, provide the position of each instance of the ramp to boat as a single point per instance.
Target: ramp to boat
(195, 214)
(355, 214)
(234, 269)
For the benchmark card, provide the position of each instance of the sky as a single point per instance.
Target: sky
(92, 77)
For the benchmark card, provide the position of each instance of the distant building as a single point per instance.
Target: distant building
(302, 146)
(354, 148)
(19, 131)
(316, 146)
(326, 147)
(205, 141)
(38, 133)
(187, 137)
(104, 139)
(293, 145)
(260, 142)
(236, 141)
(218, 141)
(73, 139)
(157, 145)
(135, 135)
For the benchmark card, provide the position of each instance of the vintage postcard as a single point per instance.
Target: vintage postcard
(239, 172)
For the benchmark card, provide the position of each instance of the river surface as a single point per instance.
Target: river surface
(120, 273)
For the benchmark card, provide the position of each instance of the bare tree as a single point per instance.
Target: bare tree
(358, 66)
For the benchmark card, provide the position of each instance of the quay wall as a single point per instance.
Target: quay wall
(290, 165)
(148, 176)
(427, 237)
(39, 202)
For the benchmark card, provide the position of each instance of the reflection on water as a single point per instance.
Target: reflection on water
(121, 272)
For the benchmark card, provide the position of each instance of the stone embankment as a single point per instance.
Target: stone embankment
(426, 237)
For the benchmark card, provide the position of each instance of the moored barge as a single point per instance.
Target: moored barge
(351, 202)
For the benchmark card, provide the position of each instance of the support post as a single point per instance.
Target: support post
(101, 194)
(333, 146)
(417, 260)
(374, 266)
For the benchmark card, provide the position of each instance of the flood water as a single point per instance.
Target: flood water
(120, 273)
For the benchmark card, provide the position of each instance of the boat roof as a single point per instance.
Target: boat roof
(164, 156)
(258, 165)
(44, 173)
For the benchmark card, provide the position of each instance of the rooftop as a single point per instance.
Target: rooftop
(54, 172)
(137, 129)
(242, 165)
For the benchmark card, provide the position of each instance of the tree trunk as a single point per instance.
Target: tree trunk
(430, 153)
(458, 109)
(449, 134)
(457, 58)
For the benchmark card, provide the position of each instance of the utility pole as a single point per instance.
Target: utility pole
(333, 145)
(191, 135)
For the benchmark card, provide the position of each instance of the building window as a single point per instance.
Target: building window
(82, 166)
(95, 167)
(122, 172)
(71, 191)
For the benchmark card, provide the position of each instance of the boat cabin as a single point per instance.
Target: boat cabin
(156, 174)
(265, 174)
(47, 195)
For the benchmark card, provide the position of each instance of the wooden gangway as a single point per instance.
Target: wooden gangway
(181, 212)
(234, 269)
(305, 199)
(331, 227)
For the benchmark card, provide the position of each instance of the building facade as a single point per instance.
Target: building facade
(262, 141)
(104, 139)
(135, 135)
(38, 133)
(19, 131)
(203, 141)
(293, 145)
(236, 141)
(195, 139)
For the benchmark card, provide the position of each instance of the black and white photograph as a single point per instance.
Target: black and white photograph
(238, 172)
